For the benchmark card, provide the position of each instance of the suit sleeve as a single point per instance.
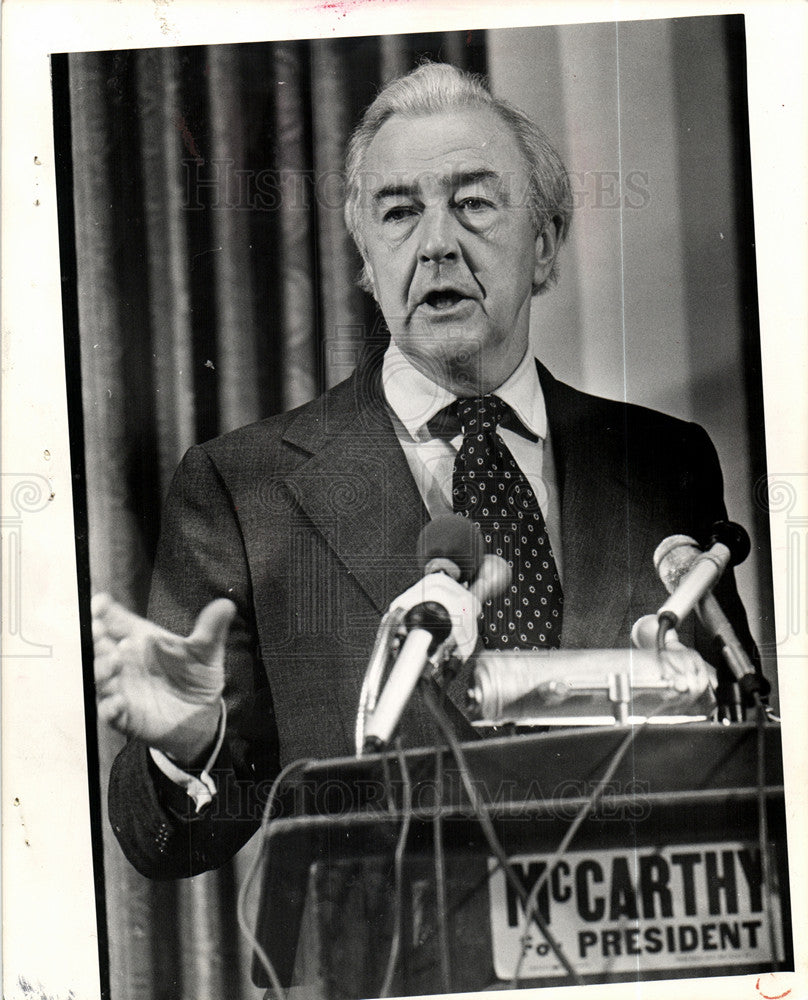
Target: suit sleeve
(707, 506)
(200, 557)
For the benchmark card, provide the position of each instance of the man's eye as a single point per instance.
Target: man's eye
(474, 204)
(398, 213)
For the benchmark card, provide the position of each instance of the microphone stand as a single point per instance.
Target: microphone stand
(752, 684)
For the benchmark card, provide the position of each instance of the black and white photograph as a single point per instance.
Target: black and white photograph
(429, 633)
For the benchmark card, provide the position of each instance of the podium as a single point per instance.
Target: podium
(662, 880)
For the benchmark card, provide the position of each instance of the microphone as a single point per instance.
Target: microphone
(564, 686)
(450, 545)
(436, 610)
(451, 551)
(493, 577)
(428, 625)
(689, 573)
(453, 545)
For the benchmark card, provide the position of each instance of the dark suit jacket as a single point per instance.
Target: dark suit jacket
(309, 521)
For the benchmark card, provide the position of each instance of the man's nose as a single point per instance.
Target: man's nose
(437, 239)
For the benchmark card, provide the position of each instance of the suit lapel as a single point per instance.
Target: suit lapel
(357, 489)
(356, 486)
(604, 523)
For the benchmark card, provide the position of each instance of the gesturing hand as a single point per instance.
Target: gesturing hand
(159, 686)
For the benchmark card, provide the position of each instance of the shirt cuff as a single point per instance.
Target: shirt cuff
(200, 789)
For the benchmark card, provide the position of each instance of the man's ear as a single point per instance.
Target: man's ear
(546, 246)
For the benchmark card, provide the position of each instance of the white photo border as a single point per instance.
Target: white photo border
(49, 912)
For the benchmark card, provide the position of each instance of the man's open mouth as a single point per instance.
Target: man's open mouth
(444, 298)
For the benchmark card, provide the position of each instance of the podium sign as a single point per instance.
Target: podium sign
(654, 908)
(663, 879)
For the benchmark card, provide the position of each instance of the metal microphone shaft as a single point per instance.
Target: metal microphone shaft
(405, 674)
(735, 656)
(704, 572)
(428, 626)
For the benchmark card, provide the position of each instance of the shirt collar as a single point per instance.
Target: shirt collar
(416, 399)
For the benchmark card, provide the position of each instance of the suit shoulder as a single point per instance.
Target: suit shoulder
(264, 440)
(627, 420)
(645, 447)
(659, 434)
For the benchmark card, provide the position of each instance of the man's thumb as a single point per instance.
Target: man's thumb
(212, 625)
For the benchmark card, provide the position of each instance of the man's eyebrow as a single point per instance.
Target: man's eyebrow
(464, 177)
(395, 190)
(460, 178)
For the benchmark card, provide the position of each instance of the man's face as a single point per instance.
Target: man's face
(450, 244)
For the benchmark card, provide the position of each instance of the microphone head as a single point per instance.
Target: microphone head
(494, 578)
(673, 557)
(455, 539)
(734, 536)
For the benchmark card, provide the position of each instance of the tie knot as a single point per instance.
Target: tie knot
(481, 414)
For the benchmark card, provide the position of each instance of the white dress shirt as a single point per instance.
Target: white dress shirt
(414, 400)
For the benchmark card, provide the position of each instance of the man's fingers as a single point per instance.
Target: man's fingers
(106, 667)
(112, 710)
(103, 645)
(99, 603)
(212, 626)
(113, 618)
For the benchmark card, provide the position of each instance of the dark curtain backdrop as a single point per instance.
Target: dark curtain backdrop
(215, 285)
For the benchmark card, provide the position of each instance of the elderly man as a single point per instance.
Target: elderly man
(283, 542)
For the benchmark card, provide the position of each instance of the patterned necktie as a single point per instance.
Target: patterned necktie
(490, 488)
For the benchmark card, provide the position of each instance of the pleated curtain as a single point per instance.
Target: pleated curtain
(215, 286)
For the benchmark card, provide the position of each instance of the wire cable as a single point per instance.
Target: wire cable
(488, 828)
(398, 874)
(665, 625)
(768, 887)
(262, 854)
(440, 878)
(563, 846)
(584, 811)
(389, 794)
